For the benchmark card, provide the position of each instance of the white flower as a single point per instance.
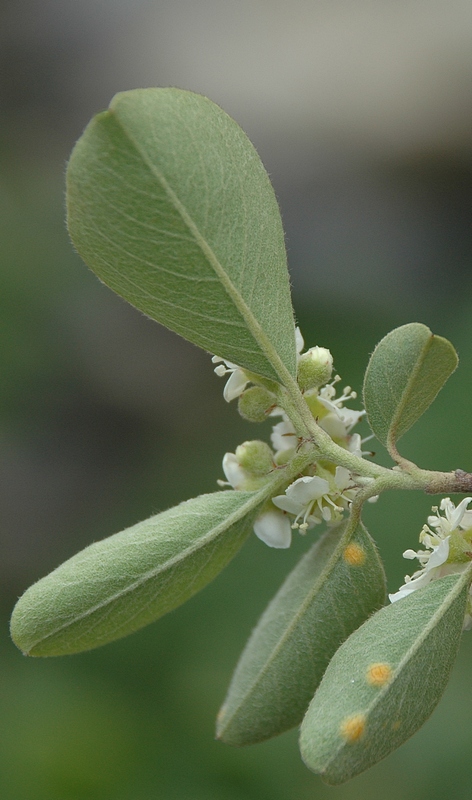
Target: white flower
(274, 529)
(434, 560)
(454, 518)
(237, 381)
(311, 499)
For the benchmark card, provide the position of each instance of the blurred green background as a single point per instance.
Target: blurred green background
(361, 112)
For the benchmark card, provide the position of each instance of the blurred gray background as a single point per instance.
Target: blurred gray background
(362, 114)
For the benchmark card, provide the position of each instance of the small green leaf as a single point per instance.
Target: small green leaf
(122, 583)
(169, 203)
(332, 590)
(405, 372)
(384, 681)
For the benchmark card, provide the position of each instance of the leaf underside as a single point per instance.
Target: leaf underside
(128, 580)
(384, 681)
(170, 205)
(321, 602)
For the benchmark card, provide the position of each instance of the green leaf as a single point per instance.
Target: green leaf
(169, 203)
(332, 590)
(122, 583)
(405, 372)
(384, 681)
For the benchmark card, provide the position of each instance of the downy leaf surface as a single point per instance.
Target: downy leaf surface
(170, 205)
(384, 681)
(337, 584)
(118, 585)
(405, 373)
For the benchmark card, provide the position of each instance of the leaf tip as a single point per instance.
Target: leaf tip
(220, 717)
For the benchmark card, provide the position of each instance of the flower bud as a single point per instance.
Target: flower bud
(255, 403)
(314, 368)
(255, 457)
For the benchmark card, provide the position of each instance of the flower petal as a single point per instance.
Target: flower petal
(439, 555)
(332, 423)
(299, 340)
(456, 517)
(342, 478)
(350, 417)
(411, 586)
(306, 489)
(235, 385)
(283, 436)
(273, 528)
(235, 475)
(285, 504)
(355, 444)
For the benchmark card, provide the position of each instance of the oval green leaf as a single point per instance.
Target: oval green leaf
(405, 373)
(384, 681)
(128, 580)
(170, 205)
(334, 588)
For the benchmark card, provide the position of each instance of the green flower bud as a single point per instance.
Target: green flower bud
(255, 457)
(314, 368)
(255, 403)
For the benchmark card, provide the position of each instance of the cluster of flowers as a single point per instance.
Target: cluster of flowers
(325, 492)
(448, 542)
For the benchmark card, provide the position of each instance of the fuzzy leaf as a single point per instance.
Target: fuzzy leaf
(128, 580)
(333, 589)
(169, 203)
(405, 373)
(384, 681)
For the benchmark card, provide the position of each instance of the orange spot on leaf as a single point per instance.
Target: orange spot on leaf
(379, 674)
(352, 728)
(354, 554)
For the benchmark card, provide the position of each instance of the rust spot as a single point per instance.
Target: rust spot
(352, 728)
(354, 555)
(379, 674)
